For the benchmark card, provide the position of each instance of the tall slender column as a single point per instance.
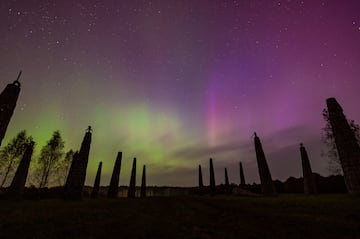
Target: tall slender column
(76, 178)
(132, 185)
(347, 146)
(267, 186)
(143, 183)
(16, 189)
(95, 191)
(309, 182)
(115, 177)
(8, 99)
(212, 178)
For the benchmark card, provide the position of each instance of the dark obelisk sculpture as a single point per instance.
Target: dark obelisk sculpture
(73, 167)
(8, 99)
(16, 189)
(347, 146)
(227, 184)
(115, 177)
(95, 190)
(242, 176)
(226, 178)
(143, 183)
(77, 173)
(132, 185)
(267, 186)
(212, 178)
(309, 182)
(201, 184)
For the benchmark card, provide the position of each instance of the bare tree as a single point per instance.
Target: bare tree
(10, 155)
(62, 168)
(50, 155)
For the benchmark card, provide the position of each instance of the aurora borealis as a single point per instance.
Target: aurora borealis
(174, 83)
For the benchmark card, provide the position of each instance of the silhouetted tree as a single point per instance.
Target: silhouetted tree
(329, 141)
(62, 168)
(50, 154)
(10, 154)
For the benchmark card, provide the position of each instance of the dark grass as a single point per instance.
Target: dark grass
(283, 216)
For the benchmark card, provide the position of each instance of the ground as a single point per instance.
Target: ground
(283, 216)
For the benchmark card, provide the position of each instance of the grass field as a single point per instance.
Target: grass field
(283, 216)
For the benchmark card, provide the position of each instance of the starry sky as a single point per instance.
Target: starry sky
(174, 83)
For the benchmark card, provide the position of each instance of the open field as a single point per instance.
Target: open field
(284, 216)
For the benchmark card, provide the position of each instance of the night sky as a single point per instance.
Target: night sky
(174, 83)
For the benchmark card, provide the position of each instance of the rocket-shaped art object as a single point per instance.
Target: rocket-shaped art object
(212, 178)
(77, 173)
(143, 183)
(347, 146)
(115, 177)
(227, 183)
(8, 99)
(267, 186)
(309, 182)
(132, 185)
(242, 176)
(201, 184)
(16, 189)
(95, 191)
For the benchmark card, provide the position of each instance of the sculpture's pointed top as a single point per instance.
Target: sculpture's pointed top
(301, 145)
(17, 82)
(331, 99)
(255, 135)
(17, 79)
(333, 104)
(89, 129)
